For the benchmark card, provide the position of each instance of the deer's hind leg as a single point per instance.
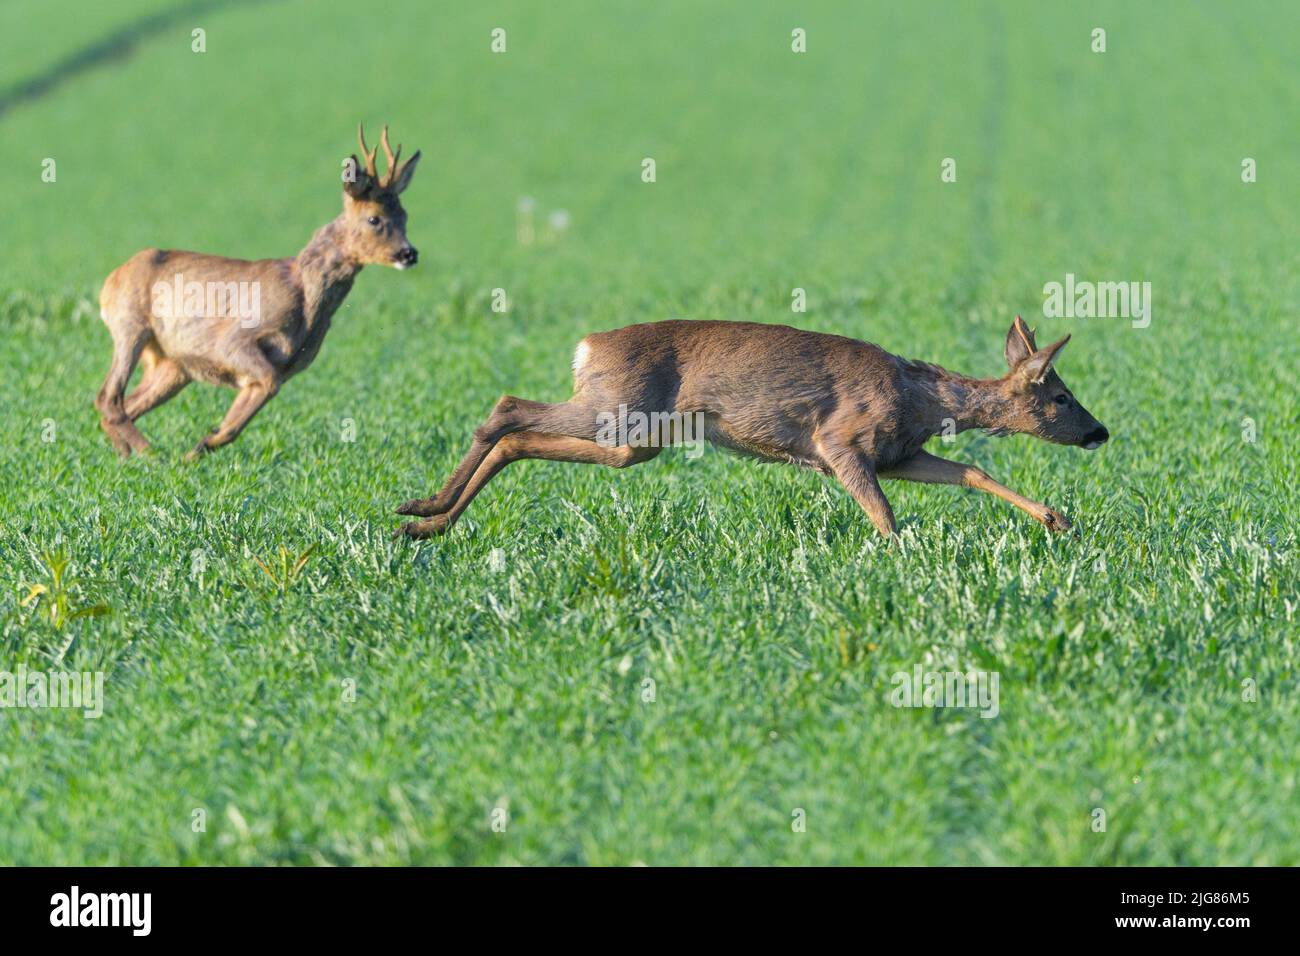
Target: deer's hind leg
(567, 419)
(129, 339)
(162, 379)
(519, 445)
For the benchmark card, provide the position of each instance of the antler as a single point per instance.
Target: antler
(370, 154)
(391, 157)
(394, 168)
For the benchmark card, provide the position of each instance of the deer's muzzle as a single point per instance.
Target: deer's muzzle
(1095, 438)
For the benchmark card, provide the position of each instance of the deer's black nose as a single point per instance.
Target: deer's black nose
(1095, 437)
(407, 256)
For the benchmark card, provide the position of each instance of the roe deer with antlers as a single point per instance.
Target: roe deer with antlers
(246, 325)
(846, 408)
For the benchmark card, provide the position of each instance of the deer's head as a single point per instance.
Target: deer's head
(374, 220)
(1034, 399)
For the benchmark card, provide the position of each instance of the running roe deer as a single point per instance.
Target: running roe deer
(247, 325)
(846, 408)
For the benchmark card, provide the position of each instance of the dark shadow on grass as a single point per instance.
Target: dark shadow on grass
(118, 45)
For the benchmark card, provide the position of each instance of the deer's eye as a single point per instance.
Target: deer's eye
(374, 221)
(1062, 399)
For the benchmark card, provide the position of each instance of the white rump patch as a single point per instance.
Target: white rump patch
(580, 356)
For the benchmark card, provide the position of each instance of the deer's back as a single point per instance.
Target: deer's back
(765, 388)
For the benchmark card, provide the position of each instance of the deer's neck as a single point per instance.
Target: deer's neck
(949, 402)
(326, 274)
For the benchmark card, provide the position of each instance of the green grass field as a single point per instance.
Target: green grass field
(506, 665)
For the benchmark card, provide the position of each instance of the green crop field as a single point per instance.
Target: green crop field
(691, 661)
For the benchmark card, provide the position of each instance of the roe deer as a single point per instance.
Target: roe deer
(247, 325)
(847, 408)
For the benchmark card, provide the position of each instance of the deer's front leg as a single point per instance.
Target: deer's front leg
(246, 404)
(857, 473)
(932, 469)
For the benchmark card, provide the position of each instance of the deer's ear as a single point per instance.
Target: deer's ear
(1020, 343)
(356, 181)
(1034, 369)
(404, 175)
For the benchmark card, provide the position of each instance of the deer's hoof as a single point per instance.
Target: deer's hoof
(422, 507)
(1053, 520)
(115, 435)
(197, 452)
(429, 528)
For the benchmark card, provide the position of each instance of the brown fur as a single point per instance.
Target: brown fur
(844, 407)
(298, 297)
